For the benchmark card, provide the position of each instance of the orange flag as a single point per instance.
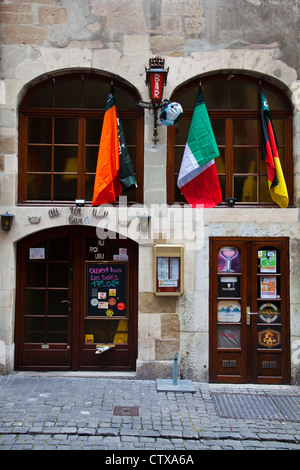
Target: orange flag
(107, 185)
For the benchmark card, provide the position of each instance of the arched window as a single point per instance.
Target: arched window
(60, 128)
(233, 104)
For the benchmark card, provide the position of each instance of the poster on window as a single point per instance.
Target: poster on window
(268, 288)
(228, 286)
(268, 313)
(267, 261)
(229, 311)
(229, 260)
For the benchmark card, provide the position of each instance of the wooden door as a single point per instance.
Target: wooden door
(107, 300)
(249, 310)
(59, 325)
(44, 308)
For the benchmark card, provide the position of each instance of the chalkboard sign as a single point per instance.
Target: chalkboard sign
(106, 290)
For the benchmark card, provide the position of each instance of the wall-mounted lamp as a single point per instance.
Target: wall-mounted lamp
(156, 79)
(6, 221)
(144, 222)
(79, 202)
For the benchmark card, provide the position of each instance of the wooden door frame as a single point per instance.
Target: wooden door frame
(251, 243)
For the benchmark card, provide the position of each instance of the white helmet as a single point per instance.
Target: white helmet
(171, 114)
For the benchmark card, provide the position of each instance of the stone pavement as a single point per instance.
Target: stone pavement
(52, 411)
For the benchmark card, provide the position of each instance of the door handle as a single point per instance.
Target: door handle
(67, 302)
(248, 315)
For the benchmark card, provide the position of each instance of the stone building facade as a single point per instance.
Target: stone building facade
(47, 39)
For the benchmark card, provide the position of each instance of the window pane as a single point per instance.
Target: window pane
(95, 93)
(59, 248)
(245, 188)
(117, 331)
(222, 181)
(179, 151)
(34, 330)
(35, 303)
(124, 100)
(93, 130)
(56, 304)
(181, 131)
(39, 158)
(245, 132)
(245, 160)
(65, 187)
(243, 95)
(39, 130)
(178, 196)
(218, 126)
(215, 94)
(188, 98)
(264, 192)
(91, 157)
(66, 159)
(66, 131)
(274, 100)
(89, 187)
(67, 93)
(279, 130)
(97, 329)
(42, 98)
(57, 330)
(129, 128)
(220, 161)
(39, 187)
(58, 275)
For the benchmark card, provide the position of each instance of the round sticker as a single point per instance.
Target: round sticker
(121, 306)
(268, 312)
(94, 302)
(112, 301)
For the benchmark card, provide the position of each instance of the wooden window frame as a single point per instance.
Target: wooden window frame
(81, 114)
(229, 115)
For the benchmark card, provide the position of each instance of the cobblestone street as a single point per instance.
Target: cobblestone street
(64, 412)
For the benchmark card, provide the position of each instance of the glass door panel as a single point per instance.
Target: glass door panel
(47, 307)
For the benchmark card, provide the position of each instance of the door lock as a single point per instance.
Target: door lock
(248, 317)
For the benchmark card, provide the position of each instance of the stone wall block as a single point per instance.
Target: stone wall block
(149, 303)
(20, 34)
(166, 348)
(170, 326)
(52, 15)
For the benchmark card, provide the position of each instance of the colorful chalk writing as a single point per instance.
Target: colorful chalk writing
(106, 280)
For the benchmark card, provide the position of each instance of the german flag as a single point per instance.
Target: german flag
(269, 154)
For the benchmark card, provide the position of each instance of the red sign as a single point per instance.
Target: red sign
(156, 84)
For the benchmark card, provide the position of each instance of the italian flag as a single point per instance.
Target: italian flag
(269, 154)
(198, 178)
(114, 172)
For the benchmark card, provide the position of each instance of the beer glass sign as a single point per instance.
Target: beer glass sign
(229, 260)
